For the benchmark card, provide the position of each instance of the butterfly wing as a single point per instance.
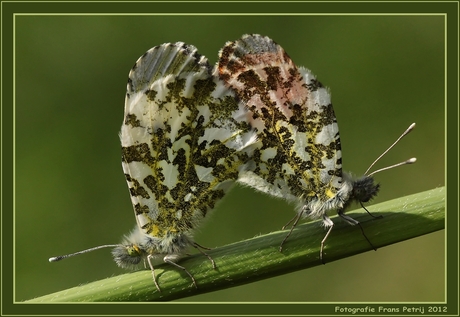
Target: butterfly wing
(184, 139)
(299, 157)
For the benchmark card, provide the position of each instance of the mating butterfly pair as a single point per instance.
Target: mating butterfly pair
(190, 131)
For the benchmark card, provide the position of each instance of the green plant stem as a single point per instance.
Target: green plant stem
(259, 258)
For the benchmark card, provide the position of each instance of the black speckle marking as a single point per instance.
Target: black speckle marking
(262, 75)
(181, 166)
(131, 119)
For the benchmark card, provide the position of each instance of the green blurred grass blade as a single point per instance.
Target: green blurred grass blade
(258, 258)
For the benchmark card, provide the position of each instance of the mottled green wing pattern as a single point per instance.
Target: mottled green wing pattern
(299, 157)
(184, 139)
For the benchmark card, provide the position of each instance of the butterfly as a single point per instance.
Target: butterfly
(298, 156)
(185, 139)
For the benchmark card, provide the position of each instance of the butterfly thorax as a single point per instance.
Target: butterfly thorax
(326, 199)
(360, 190)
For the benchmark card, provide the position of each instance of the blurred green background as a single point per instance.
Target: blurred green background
(384, 72)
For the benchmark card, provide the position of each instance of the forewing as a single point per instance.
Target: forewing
(299, 155)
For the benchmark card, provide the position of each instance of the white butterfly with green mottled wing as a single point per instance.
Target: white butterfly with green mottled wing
(299, 155)
(185, 139)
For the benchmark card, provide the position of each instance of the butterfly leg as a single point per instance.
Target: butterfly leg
(327, 223)
(168, 260)
(380, 216)
(290, 221)
(199, 247)
(354, 222)
(149, 257)
(297, 218)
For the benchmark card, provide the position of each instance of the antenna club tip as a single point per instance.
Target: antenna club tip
(53, 259)
(412, 160)
(412, 126)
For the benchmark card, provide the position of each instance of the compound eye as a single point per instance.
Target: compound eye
(133, 250)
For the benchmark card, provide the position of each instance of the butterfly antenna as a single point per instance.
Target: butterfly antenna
(62, 257)
(409, 161)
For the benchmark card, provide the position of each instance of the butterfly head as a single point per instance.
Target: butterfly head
(364, 189)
